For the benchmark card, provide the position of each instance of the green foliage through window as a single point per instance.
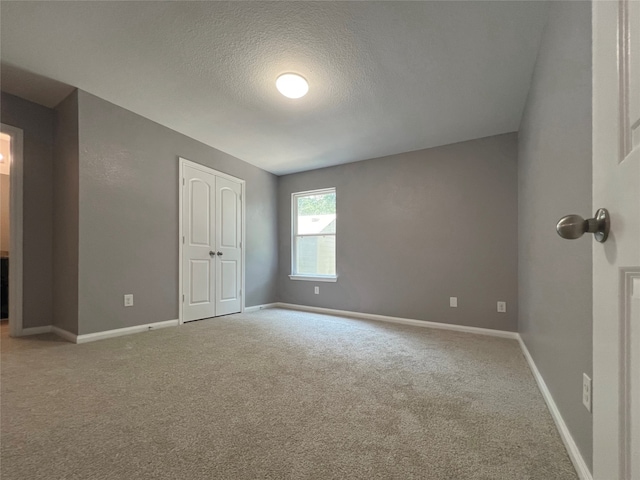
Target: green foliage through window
(317, 204)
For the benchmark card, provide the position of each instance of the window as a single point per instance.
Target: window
(313, 242)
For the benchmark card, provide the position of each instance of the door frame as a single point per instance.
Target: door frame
(182, 162)
(16, 173)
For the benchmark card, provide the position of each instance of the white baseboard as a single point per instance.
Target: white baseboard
(92, 337)
(71, 337)
(255, 308)
(567, 439)
(402, 321)
(35, 330)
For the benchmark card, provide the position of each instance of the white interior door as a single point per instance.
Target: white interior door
(198, 249)
(616, 263)
(229, 241)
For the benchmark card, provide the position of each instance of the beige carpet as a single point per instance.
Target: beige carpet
(275, 394)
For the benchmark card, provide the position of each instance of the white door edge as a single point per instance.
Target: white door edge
(616, 263)
(16, 174)
(182, 162)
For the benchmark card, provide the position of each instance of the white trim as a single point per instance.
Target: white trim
(572, 449)
(36, 330)
(71, 337)
(16, 174)
(313, 278)
(243, 212)
(317, 191)
(403, 321)
(92, 337)
(256, 308)
(180, 239)
(294, 228)
(203, 168)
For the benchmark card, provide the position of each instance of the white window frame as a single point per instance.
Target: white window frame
(294, 228)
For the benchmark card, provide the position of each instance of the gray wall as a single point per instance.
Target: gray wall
(555, 289)
(65, 215)
(129, 217)
(37, 124)
(416, 228)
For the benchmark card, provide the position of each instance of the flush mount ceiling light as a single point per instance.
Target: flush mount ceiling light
(292, 85)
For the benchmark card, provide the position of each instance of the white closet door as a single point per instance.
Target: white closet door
(199, 258)
(228, 222)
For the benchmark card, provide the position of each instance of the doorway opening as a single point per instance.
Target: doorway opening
(11, 167)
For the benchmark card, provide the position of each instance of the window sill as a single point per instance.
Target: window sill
(315, 278)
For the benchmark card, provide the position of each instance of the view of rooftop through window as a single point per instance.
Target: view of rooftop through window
(314, 232)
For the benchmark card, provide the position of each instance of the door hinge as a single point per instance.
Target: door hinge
(240, 292)
(182, 298)
(183, 182)
(183, 239)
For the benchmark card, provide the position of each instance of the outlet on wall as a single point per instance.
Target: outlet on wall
(502, 307)
(453, 302)
(586, 391)
(128, 300)
(316, 290)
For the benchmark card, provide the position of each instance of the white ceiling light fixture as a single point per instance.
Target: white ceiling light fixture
(292, 85)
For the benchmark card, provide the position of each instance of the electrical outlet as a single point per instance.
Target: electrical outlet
(502, 307)
(586, 391)
(453, 302)
(316, 290)
(128, 300)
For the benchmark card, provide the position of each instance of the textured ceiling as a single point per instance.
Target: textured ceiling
(385, 77)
